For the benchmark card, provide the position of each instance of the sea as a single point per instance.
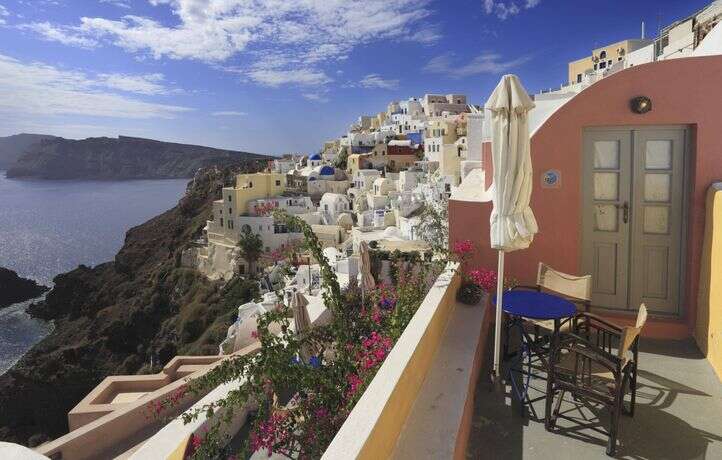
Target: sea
(51, 227)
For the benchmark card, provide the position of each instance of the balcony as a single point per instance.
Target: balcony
(678, 414)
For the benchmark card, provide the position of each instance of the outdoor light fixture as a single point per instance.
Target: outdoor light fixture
(641, 104)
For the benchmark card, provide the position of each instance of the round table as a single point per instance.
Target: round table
(537, 305)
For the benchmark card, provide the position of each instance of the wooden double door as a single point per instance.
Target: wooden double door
(633, 189)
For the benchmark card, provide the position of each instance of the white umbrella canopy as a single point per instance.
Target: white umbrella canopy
(367, 280)
(301, 319)
(513, 225)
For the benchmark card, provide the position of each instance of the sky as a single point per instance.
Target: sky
(281, 76)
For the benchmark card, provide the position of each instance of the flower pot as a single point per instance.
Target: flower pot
(469, 294)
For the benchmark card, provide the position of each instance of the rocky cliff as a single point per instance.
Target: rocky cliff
(13, 147)
(15, 289)
(122, 158)
(110, 319)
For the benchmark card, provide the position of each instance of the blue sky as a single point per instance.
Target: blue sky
(278, 76)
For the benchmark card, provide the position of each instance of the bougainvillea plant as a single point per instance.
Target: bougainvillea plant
(475, 281)
(300, 405)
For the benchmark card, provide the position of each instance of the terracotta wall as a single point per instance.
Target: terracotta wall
(683, 92)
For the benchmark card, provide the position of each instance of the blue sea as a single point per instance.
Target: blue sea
(50, 227)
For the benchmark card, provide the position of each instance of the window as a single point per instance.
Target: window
(602, 65)
(250, 185)
(620, 58)
(579, 78)
(242, 269)
(595, 67)
(221, 221)
(609, 62)
(229, 198)
(230, 211)
(278, 183)
(603, 55)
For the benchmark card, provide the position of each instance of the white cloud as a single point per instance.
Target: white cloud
(375, 80)
(66, 35)
(505, 9)
(150, 84)
(316, 97)
(3, 14)
(40, 89)
(486, 63)
(302, 77)
(300, 36)
(119, 3)
(229, 113)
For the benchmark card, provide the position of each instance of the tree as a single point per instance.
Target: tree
(341, 159)
(251, 247)
(433, 228)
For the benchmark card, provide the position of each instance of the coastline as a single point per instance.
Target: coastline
(21, 332)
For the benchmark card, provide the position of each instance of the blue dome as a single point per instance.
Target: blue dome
(326, 171)
(315, 157)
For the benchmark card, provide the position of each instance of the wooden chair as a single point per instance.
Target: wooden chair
(587, 366)
(576, 289)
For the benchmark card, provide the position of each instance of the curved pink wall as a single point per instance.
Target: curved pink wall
(683, 92)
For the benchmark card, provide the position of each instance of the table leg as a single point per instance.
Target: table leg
(550, 376)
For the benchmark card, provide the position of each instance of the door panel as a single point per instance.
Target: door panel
(657, 226)
(605, 236)
(633, 189)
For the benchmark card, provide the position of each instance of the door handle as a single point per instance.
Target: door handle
(625, 211)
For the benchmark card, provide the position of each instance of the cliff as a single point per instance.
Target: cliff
(14, 289)
(110, 319)
(106, 158)
(12, 147)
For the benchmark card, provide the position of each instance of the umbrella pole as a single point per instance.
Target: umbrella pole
(497, 323)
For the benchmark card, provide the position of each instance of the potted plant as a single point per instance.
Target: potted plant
(469, 292)
(475, 283)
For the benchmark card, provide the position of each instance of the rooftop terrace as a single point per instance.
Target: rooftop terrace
(678, 414)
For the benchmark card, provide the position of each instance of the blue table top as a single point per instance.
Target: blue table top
(536, 305)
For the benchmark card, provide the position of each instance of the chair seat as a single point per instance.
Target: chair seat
(602, 378)
(547, 325)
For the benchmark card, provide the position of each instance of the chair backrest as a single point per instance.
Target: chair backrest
(577, 287)
(630, 333)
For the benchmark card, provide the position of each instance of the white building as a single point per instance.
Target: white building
(364, 178)
(332, 205)
(284, 165)
(435, 104)
(290, 204)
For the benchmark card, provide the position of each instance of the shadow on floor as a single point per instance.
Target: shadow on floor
(673, 420)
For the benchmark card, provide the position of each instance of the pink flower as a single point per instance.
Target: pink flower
(196, 441)
(463, 247)
(354, 382)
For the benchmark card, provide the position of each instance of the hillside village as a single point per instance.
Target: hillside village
(401, 185)
(371, 184)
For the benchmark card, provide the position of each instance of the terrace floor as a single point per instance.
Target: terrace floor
(678, 414)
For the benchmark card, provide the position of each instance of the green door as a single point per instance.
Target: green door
(633, 189)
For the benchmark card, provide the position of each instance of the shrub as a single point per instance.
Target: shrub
(321, 391)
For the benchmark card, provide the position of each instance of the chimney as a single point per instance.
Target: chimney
(642, 30)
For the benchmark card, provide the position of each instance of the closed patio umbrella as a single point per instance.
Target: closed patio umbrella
(367, 280)
(301, 319)
(512, 221)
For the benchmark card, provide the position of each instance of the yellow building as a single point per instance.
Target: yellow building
(251, 187)
(603, 58)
